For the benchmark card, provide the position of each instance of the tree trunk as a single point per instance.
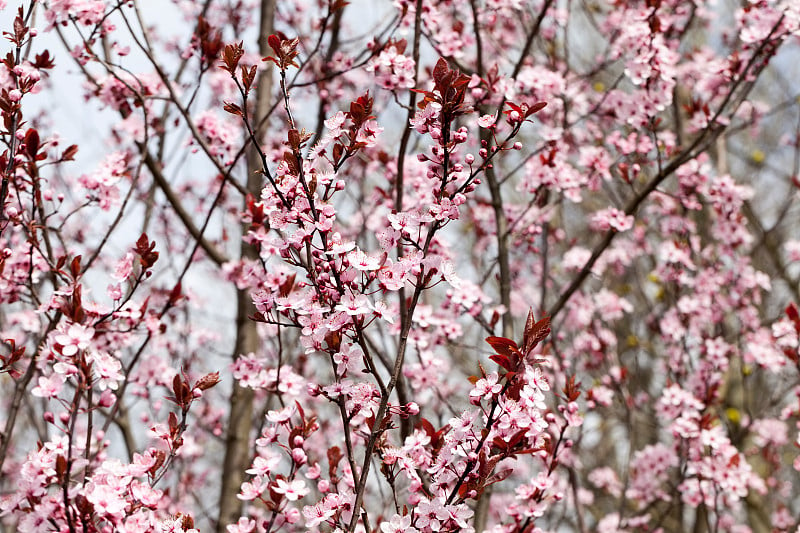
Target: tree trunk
(240, 422)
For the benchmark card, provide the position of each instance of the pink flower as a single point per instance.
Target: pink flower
(293, 490)
(219, 133)
(606, 478)
(361, 261)
(611, 218)
(486, 121)
(431, 514)
(101, 184)
(348, 358)
(485, 388)
(610, 306)
(108, 370)
(322, 511)
(459, 514)
(281, 416)
(244, 525)
(398, 524)
(252, 489)
(426, 118)
(354, 304)
(145, 494)
(114, 292)
(48, 386)
(124, 268)
(392, 69)
(175, 525)
(107, 499)
(39, 520)
(76, 337)
(368, 134)
(393, 275)
(264, 464)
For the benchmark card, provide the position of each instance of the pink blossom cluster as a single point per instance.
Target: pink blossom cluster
(86, 12)
(102, 183)
(259, 217)
(392, 69)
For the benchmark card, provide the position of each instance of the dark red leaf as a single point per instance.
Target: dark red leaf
(503, 345)
(172, 420)
(146, 251)
(430, 431)
(535, 332)
(499, 476)
(231, 56)
(441, 70)
(503, 361)
(32, 143)
(535, 108)
(69, 153)
(75, 267)
(233, 109)
(334, 457)
(286, 287)
(20, 30)
(274, 42)
(207, 381)
(792, 313)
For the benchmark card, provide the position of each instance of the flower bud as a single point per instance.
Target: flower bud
(299, 456)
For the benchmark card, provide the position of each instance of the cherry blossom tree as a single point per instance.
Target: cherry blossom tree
(400, 266)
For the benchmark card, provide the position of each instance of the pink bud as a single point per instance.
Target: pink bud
(107, 399)
(292, 515)
(299, 456)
